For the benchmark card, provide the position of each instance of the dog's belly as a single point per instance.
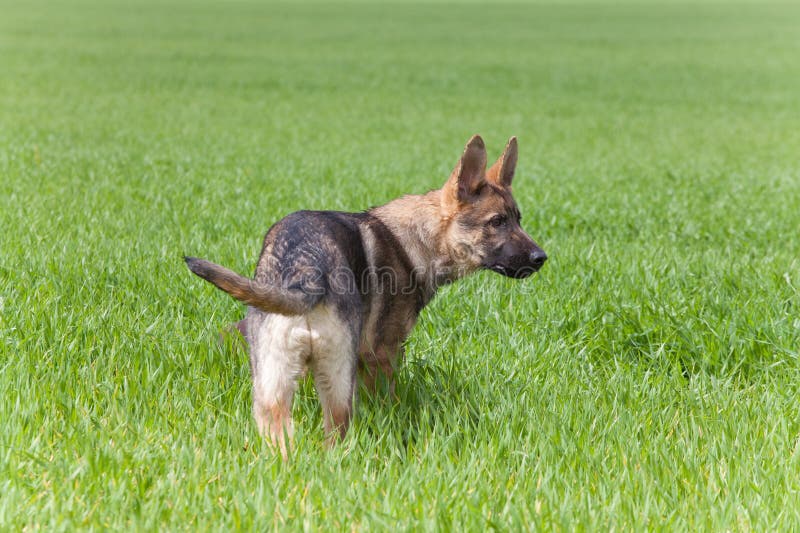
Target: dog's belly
(385, 329)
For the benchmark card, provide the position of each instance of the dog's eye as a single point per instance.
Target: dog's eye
(498, 220)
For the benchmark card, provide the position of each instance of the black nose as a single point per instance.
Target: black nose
(538, 257)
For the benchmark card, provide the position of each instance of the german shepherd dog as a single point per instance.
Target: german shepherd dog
(337, 292)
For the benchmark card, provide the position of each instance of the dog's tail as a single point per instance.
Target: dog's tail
(268, 298)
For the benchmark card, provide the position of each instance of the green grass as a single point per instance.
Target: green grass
(648, 376)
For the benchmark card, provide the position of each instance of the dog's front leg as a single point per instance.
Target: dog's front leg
(379, 365)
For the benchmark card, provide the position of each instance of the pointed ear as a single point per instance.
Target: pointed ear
(468, 177)
(502, 172)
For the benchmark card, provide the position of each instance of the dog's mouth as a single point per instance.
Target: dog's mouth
(512, 272)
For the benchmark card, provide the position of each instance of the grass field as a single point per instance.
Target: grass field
(648, 376)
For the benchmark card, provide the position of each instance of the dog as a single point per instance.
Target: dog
(336, 292)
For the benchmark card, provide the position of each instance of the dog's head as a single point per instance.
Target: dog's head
(483, 219)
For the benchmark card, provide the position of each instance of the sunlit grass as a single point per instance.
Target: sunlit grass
(647, 376)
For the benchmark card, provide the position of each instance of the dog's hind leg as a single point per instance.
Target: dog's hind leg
(333, 365)
(279, 350)
(334, 378)
(273, 414)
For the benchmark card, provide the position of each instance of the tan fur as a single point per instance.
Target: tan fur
(502, 172)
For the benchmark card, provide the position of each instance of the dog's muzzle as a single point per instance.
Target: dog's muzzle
(520, 266)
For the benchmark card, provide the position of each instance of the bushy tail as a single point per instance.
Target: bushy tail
(268, 298)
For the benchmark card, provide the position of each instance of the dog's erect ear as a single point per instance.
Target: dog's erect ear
(502, 172)
(468, 177)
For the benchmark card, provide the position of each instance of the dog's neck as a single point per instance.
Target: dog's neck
(417, 223)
